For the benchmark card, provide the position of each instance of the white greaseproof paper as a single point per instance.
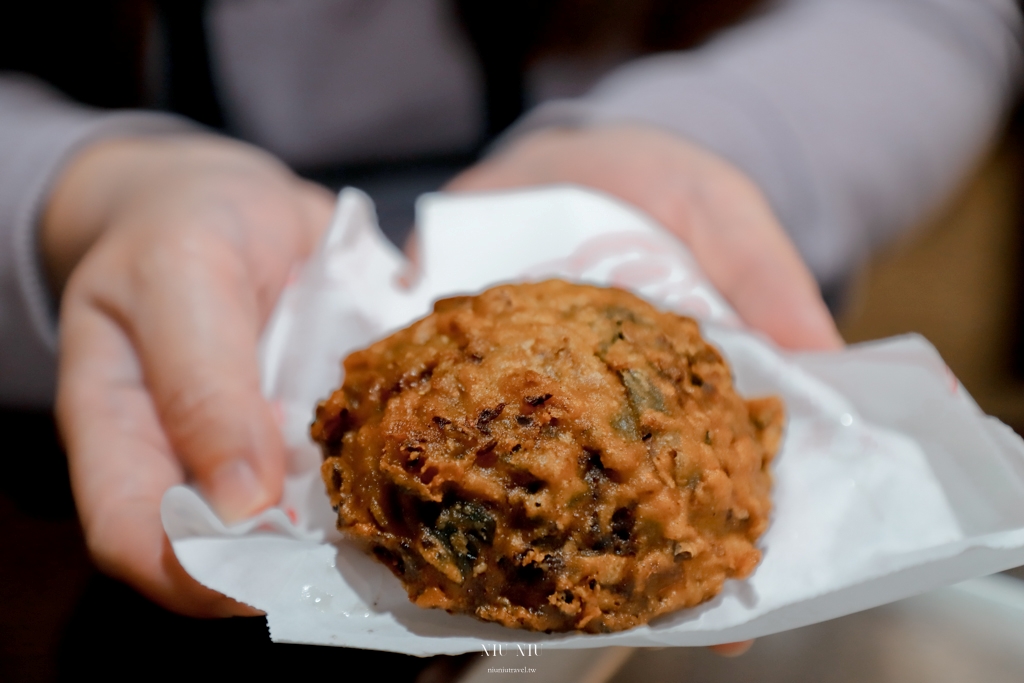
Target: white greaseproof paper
(890, 480)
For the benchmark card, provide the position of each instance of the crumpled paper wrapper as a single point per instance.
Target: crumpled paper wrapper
(890, 481)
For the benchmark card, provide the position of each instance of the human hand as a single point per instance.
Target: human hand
(716, 210)
(174, 251)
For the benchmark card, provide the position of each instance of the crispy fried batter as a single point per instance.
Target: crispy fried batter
(552, 457)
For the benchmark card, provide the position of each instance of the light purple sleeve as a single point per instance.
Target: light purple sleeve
(855, 117)
(39, 131)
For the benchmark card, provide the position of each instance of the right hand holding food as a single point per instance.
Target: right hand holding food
(712, 206)
(704, 200)
(170, 254)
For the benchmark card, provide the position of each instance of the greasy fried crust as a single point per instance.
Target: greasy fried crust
(552, 457)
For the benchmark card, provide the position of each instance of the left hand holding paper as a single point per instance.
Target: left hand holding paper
(174, 251)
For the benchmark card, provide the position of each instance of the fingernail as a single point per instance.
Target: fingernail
(235, 491)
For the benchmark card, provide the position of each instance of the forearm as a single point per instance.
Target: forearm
(39, 133)
(855, 118)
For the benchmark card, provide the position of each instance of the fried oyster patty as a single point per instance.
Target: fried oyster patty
(552, 457)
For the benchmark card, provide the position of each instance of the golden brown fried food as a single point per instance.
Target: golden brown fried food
(552, 457)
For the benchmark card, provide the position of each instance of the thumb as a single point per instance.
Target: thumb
(747, 254)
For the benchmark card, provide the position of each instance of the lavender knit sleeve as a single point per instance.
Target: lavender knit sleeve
(855, 117)
(39, 131)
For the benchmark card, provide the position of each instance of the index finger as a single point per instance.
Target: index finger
(121, 465)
